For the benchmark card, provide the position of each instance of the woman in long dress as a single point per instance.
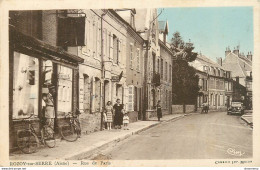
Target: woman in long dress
(118, 119)
(109, 113)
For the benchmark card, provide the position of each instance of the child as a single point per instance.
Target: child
(125, 121)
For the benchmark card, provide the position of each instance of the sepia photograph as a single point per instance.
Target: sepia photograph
(130, 83)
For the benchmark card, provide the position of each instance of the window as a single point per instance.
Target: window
(71, 31)
(130, 98)
(131, 56)
(25, 85)
(65, 88)
(138, 59)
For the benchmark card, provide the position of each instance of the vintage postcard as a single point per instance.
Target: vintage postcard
(129, 83)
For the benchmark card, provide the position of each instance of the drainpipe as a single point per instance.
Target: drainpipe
(102, 72)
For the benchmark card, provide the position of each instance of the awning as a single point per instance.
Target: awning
(25, 43)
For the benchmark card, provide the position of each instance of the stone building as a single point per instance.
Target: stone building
(215, 84)
(95, 86)
(134, 66)
(241, 68)
(164, 68)
(147, 25)
(156, 63)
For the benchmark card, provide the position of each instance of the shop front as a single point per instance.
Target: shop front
(41, 77)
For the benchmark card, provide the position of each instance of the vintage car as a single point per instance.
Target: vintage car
(236, 108)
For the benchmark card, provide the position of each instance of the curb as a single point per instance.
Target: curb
(88, 154)
(248, 122)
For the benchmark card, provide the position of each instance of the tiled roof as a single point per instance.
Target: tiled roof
(239, 66)
(207, 61)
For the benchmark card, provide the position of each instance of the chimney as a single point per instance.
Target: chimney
(219, 61)
(249, 56)
(227, 51)
(236, 51)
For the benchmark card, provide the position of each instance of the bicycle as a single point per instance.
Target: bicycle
(72, 131)
(28, 141)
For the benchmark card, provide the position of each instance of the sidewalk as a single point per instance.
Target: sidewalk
(248, 118)
(88, 144)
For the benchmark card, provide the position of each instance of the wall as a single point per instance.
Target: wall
(179, 109)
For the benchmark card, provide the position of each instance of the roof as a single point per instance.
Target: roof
(237, 64)
(205, 60)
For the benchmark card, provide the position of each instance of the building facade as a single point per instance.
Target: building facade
(215, 85)
(157, 62)
(241, 68)
(134, 66)
(97, 85)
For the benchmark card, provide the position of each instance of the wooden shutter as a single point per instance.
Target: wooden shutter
(131, 98)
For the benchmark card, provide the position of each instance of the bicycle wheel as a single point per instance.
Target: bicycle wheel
(48, 136)
(27, 141)
(69, 133)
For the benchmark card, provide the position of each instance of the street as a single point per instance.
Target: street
(199, 136)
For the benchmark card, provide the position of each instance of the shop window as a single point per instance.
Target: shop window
(64, 89)
(25, 85)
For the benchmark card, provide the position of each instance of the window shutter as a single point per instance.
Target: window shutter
(111, 45)
(131, 56)
(138, 59)
(131, 98)
(119, 51)
(98, 40)
(126, 95)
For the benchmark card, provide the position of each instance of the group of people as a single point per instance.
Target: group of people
(117, 115)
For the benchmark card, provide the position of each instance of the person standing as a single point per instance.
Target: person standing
(109, 113)
(118, 119)
(125, 121)
(159, 110)
(49, 108)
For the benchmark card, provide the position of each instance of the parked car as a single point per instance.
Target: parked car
(236, 108)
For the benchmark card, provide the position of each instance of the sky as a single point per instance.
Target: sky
(212, 29)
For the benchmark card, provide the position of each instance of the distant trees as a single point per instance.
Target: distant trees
(185, 86)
